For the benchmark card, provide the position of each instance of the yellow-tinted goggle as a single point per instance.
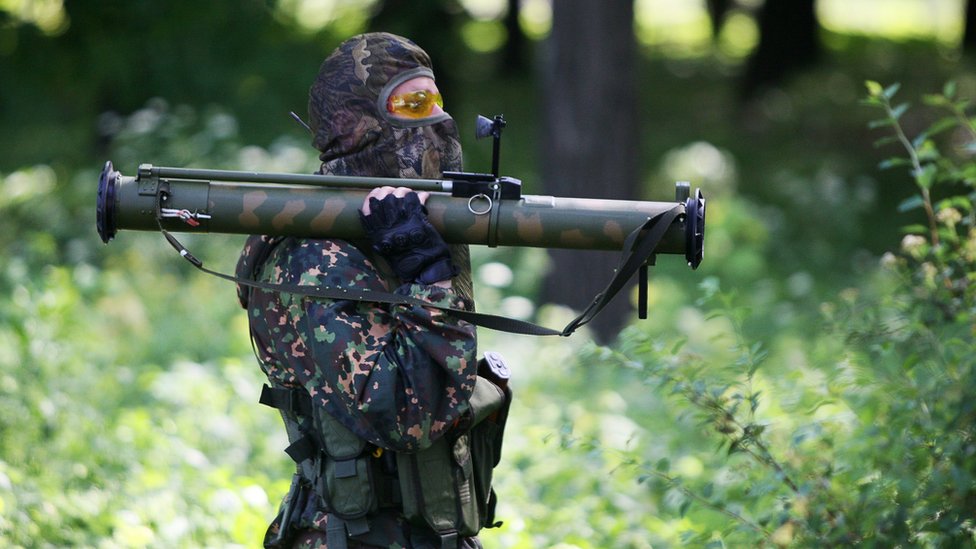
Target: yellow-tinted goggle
(415, 104)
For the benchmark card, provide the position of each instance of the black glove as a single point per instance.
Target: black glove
(399, 230)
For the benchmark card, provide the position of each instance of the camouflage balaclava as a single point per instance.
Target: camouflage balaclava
(356, 135)
(351, 127)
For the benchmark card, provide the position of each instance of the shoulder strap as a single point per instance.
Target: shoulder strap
(640, 244)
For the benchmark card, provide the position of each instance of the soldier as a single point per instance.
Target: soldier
(378, 400)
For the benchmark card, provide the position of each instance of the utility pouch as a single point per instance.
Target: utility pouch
(346, 479)
(434, 488)
(448, 485)
(487, 433)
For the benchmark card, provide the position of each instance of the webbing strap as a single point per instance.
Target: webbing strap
(335, 533)
(295, 401)
(641, 244)
(449, 539)
(302, 449)
(639, 255)
(338, 530)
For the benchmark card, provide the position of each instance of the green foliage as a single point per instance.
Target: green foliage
(941, 254)
(776, 403)
(858, 432)
(738, 419)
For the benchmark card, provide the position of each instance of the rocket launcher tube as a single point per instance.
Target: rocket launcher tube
(315, 206)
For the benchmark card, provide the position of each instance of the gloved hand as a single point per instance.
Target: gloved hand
(399, 230)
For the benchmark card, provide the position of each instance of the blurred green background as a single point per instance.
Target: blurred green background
(796, 390)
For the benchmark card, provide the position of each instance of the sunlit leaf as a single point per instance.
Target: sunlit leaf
(874, 88)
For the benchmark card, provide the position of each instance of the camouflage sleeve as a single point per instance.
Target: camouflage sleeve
(396, 375)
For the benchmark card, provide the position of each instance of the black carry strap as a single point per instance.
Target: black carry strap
(641, 243)
(295, 401)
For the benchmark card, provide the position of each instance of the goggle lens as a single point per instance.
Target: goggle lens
(415, 104)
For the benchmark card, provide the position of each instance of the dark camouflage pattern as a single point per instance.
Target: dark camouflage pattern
(350, 125)
(285, 209)
(355, 134)
(397, 376)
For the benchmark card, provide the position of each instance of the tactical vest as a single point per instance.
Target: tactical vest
(445, 487)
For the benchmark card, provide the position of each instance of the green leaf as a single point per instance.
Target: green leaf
(911, 203)
(880, 123)
(891, 90)
(872, 102)
(919, 139)
(894, 162)
(949, 89)
(678, 345)
(935, 100)
(928, 151)
(663, 465)
(943, 124)
(915, 229)
(959, 202)
(899, 110)
(926, 176)
(874, 88)
(734, 446)
(885, 141)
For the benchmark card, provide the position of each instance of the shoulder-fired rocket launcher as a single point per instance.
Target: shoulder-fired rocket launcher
(465, 208)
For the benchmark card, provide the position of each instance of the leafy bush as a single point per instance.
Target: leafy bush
(742, 420)
(126, 407)
(737, 416)
(859, 431)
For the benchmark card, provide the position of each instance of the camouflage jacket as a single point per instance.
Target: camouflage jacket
(397, 376)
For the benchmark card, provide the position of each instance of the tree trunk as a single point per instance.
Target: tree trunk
(590, 137)
(717, 11)
(435, 27)
(789, 39)
(513, 55)
(969, 32)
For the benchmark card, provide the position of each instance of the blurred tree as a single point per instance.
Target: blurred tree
(128, 56)
(115, 55)
(435, 26)
(969, 33)
(717, 11)
(590, 136)
(788, 41)
(513, 60)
